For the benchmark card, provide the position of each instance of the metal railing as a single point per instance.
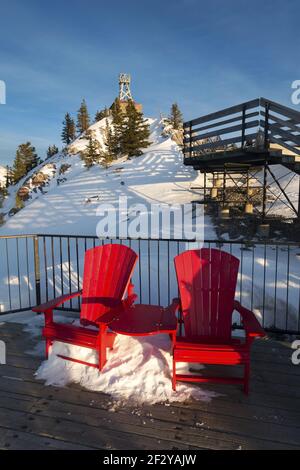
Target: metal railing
(36, 268)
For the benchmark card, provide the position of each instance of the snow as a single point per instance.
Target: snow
(3, 173)
(157, 176)
(138, 370)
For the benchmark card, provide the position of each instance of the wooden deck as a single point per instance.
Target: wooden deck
(35, 416)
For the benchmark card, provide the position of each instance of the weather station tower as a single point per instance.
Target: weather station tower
(124, 87)
(125, 92)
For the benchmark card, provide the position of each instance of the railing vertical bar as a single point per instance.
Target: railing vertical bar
(264, 285)
(241, 281)
(275, 290)
(27, 269)
(168, 279)
(158, 270)
(69, 269)
(140, 271)
(252, 277)
(287, 288)
(18, 270)
(46, 268)
(53, 267)
(8, 274)
(37, 269)
(77, 270)
(61, 266)
(149, 273)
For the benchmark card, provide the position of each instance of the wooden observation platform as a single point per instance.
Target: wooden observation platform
(243, 140)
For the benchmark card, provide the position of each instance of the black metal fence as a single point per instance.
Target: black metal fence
(36, 268)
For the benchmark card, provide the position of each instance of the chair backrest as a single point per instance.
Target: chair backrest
(107, 273)
(207, 280)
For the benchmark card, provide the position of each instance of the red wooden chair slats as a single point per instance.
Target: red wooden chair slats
(207, 281)
(106, 280)
(107, 272)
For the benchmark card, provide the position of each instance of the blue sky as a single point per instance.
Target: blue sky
(203, 54)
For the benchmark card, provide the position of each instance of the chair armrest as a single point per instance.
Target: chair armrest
(55, 302)
(174, 306)
(251, 324)
(116, 306)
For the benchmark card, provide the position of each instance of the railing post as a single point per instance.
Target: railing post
(190, 131)
(37, 271)
(184, 144)
(243, 125)
(266, 143)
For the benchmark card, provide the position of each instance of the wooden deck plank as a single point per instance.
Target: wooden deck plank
(45, 416)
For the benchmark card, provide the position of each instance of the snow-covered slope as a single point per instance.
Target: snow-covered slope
(67, 203)
(3, 172)
(70, 206)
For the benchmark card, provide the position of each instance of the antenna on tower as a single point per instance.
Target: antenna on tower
(124, 87)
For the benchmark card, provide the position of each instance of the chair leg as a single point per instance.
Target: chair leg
(174, 376)
(246, 378)
(102, 358)
(48, 345)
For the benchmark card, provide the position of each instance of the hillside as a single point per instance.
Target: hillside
(67, 203)
(63, 195)
(3, 172)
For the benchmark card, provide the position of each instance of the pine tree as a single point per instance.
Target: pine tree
(8, 176)
(108, 154)
(101, 114)
(119, 124)
(91, 154)
(68, 131)
(26, 159)
(83, 119)
(175, 117)
(52, 150)
(135, 132)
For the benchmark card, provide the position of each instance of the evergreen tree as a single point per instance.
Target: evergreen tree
(118, 121)
(135, 132)
(101, 114)
(175, 117)
(68, 131)
(8, 176)
(26, 159)
(52, 150)
(83, 119)
(91, 154)
(109, 153)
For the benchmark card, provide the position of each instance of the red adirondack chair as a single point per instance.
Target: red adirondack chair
(207, 281)
(106, 280)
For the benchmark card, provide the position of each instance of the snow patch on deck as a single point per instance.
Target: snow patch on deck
(138, 370)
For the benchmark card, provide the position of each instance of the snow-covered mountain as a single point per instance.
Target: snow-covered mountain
(63, 195)
(68, 202)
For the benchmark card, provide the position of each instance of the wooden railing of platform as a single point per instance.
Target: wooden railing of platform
(247, 126)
